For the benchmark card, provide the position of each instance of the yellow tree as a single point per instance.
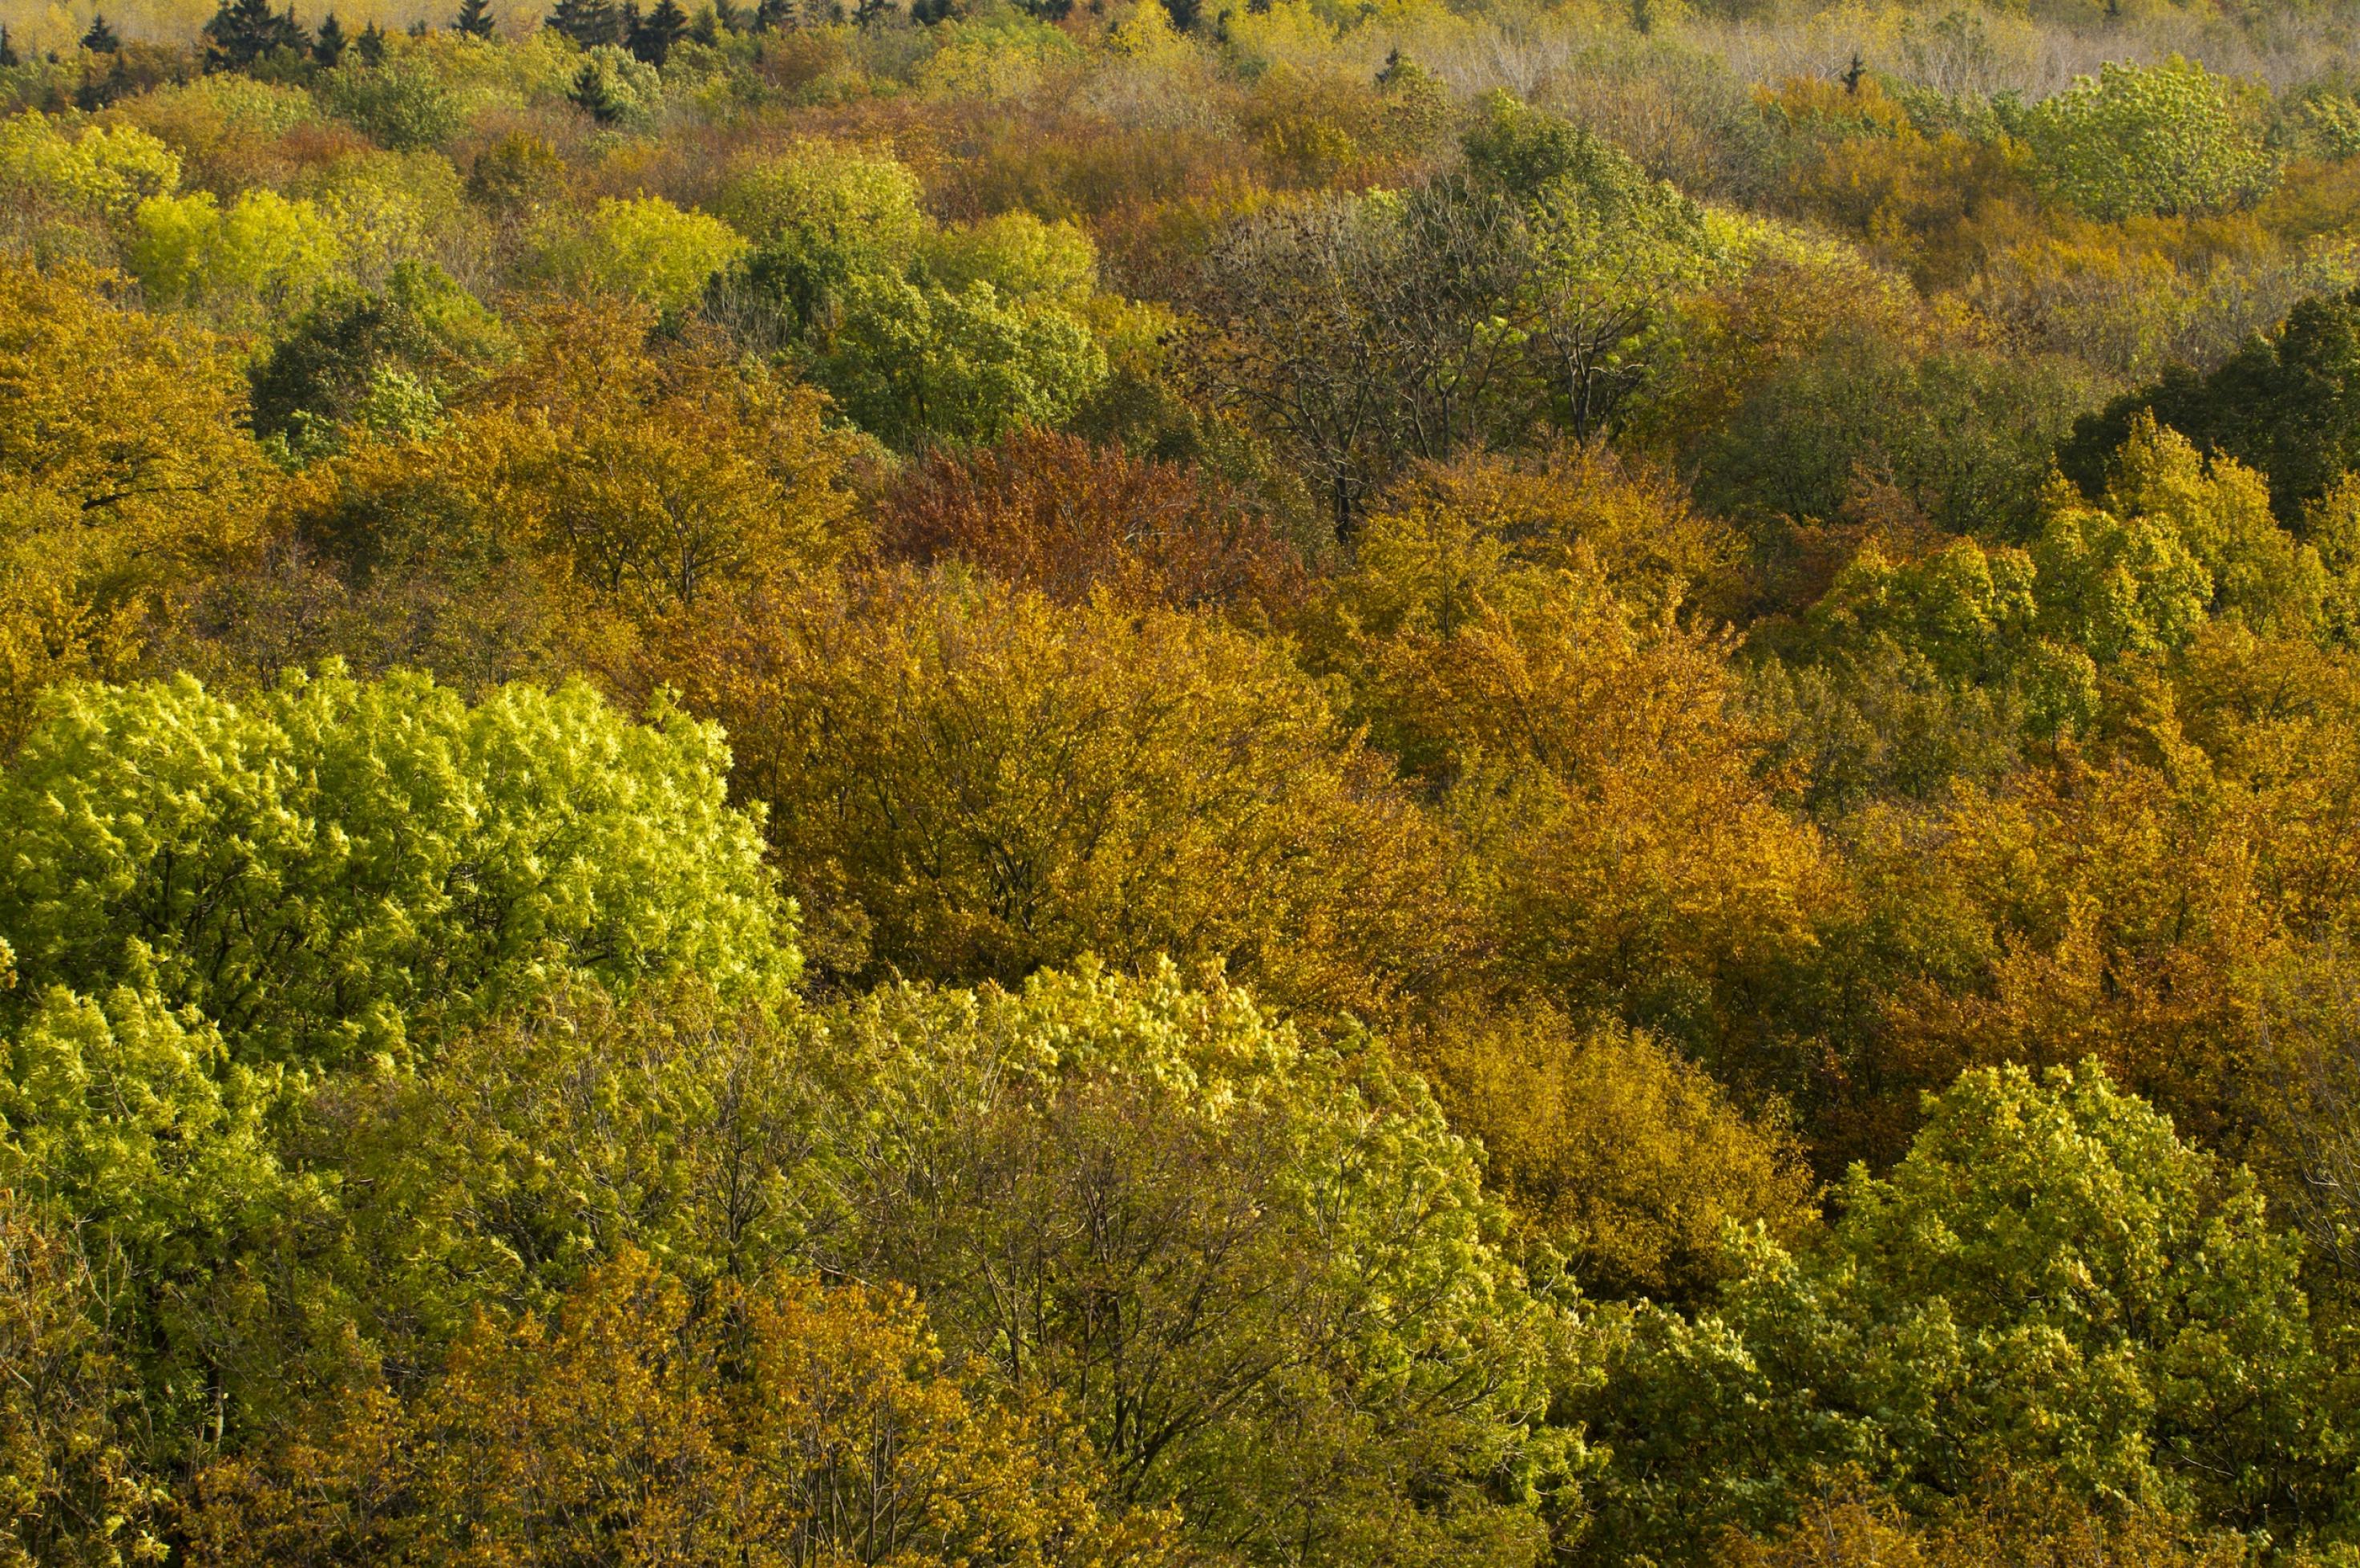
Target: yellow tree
(785, 1424)
(1607, 792)
(968, 781)
(125, 479)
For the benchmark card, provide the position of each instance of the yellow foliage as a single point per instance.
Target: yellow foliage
(1614, 1149)
(967, 781)
(780, 1426)
(586, 500)
(1610, 795)
(127, 481)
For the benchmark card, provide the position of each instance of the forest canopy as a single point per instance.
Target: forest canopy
(1180, 783)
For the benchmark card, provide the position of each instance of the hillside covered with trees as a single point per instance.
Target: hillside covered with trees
(1171, 784)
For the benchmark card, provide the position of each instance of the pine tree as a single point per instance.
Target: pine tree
(728, 18)
(101, 38)
(475, 18)
(328, 49)
(594, 95)
(653, 39)
(421, 27)
(870, 13)
(97, 92)
(7, 49)
(706, 28)
(770, 15)
(241, 32)
(370, 45)
(582, 21)
(287, 33)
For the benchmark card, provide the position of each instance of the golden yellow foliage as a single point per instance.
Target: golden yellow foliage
(1614, 1149)
(598, 491)
(785, 1425)
(124, 479)
(967, 781)
(1609, 793)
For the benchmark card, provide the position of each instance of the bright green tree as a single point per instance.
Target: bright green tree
(1262, 1274)
(645, 249)
(2051, 1286)
(333, 868)
(261, 253)
(917, 361)
(2172, 139)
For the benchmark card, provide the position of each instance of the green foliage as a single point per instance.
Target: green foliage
(817, 215)
(119, 1115)
(403, 101)
(914, 362)
(2171, 138)
(103, 171)
(2051, 1286)
(334, 365)
(644, 249)
(1963, 436)
(2287, 404)
(261, 253)
(614, 89)
(1288, 1314)
(333, 869)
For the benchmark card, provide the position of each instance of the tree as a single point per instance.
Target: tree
(1610, 249)
(1335, 331)
(405, 101)
(787, 1422)
(245, 32)
(1053, 514)
(475, 19)
(129, 1126)
(2172, 138)
(2051, 1287)
(1259, 1274)
(101, 38)
(239, 34)
(332, 869)
(1599, 771)
(321, 374)
(539, 1145)
(612, 88)
(588, 23)
(1962, 436)
(72, 1492)
(654, 38)
(817, 215)
(370, 46)
(1613, 1149)
(8, 55)
(1369, 334)
(261, 253)
(127, 478)
(915, 362)
(584, 496)
(645, 249)
(328, 47)
(968, 782)
(2286, 403)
